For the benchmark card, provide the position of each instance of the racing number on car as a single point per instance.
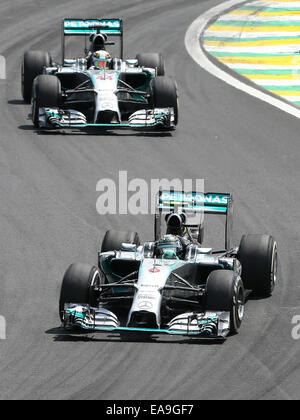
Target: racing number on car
(154, 270)
(105, 77)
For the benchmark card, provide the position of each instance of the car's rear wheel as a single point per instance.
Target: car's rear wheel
(46, 94)
(113, 240)
(258, 257)
(165, 95)
(77, 286)
(225, 292)
(152, 60)
(32, 66)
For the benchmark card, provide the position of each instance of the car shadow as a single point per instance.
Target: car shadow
(61, 335)
(106, 133)
(16, 102)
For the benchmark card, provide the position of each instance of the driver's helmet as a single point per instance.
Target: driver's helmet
(175, 223)
(101, 59)
(169, 247)
(98, 42)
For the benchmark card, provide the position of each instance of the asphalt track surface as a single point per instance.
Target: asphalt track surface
(48, 220)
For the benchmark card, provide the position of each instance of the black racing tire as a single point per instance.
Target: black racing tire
(113, 240)
(225, 292)
(46, 93)
(152, 60)
(258, 257)
(32, 66)
(165, 95)
(77, 286)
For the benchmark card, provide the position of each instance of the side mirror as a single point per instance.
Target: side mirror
(132, 63)
(129, 247)
(82, 64)
(69, 62)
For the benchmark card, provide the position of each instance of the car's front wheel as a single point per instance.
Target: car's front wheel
(165, 95)
(46, 94)
(258, 257)
(77, 286)
(225, 292)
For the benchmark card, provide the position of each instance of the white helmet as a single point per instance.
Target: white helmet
(101, 59)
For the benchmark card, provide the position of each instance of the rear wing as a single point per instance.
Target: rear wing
(81, 27)
(195, 202)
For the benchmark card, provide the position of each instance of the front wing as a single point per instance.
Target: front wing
(213, 325)
(158, 118)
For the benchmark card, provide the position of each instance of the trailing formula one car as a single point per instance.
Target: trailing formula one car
(172, 285)
(98, 90)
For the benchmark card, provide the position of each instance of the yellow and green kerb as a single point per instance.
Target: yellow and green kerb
(261, 41)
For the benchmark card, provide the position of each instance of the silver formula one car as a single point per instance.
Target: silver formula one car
(98, 90)
(172, 285)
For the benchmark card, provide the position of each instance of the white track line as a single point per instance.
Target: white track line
(266, 19)
(274, 4)
(274, 82)
(192, 43)
(252, 34)
(284, 49)
(294, 67)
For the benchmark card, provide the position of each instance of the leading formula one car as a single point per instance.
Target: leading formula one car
(172, 285)
(98, 90)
